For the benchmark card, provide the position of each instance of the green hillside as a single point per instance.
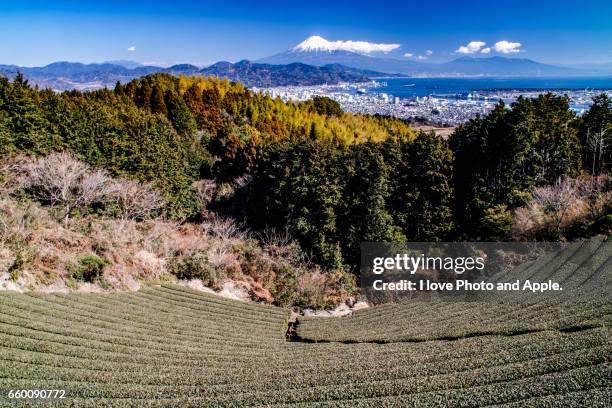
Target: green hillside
(172, 346)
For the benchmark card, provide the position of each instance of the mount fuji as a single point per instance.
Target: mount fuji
(318, 51)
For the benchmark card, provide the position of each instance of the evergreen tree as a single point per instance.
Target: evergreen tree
(23, 117)
(131, 89)
(158, 105)
(180, 115)
(144, 95)
(119, 89)
(299, 186)
(325, 106)
(557, 145)
(423, 196)
(313, 134)
(366, 192)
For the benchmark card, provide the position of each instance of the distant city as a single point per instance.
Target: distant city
(443, 109)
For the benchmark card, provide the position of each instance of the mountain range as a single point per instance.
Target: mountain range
(318, 51)
(295, 73)
(74, 75)
(314, 61)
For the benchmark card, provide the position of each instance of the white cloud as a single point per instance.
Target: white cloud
(317, 43)
(428, 52)
(363, 46)
(506, 47)
(471, 48)
(420, 57)
(131, 49)
(408, 55)
(486, 50)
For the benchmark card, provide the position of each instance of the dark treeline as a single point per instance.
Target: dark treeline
(333, 179)
(333, 197)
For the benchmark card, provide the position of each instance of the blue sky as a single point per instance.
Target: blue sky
(202, 32)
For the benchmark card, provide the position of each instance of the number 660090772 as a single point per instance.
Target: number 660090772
(35, 394)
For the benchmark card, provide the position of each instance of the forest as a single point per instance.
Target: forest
(330, 179)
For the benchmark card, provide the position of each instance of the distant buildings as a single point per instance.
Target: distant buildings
(442, 109)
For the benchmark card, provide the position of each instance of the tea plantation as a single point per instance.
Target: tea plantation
(583, 269)
(175, 347)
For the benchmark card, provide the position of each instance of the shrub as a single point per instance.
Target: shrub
(89, 268)
(603, 225)
(16, 267)
(323, 290)
(195, 266)
(571, 208)
(313, 288)
(496, 223)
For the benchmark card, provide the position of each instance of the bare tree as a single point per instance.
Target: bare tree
(226, 229)
(598, 141)
(557, 200)
(136, 201)
(60, 180)
(272, 237)
(596, 193)
(205, 192)
(597, 122)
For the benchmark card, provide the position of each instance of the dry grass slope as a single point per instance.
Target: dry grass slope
(65, 226)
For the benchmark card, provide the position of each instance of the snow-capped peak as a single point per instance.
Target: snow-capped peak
(315, 43)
